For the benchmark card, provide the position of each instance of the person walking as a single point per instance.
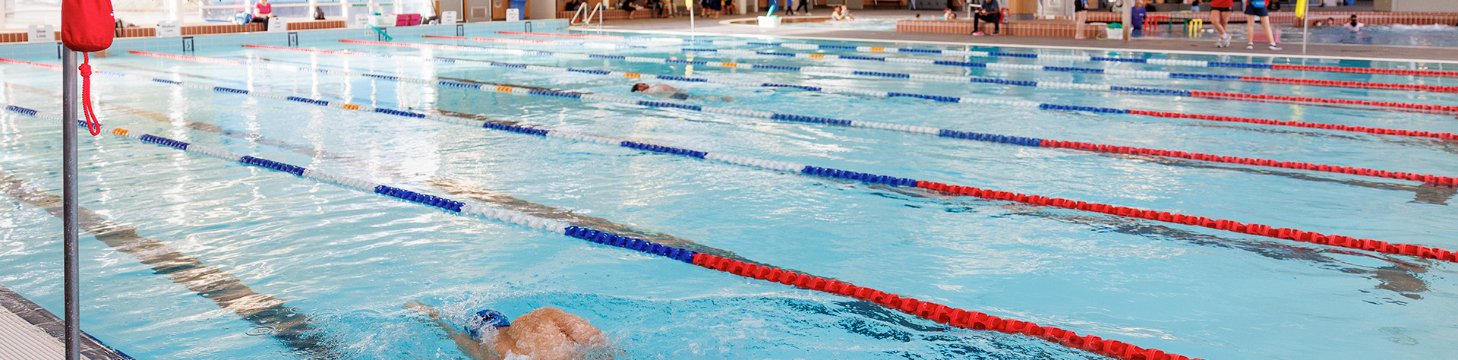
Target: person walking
(1255, 10)
(1080, 17)
(1219, 16)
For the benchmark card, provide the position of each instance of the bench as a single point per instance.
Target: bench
(14, 37)
(1287, 17)
(315, 24)
(1029, 28)
(207, 29)
(131, 32)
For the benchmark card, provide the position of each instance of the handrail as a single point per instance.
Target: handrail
(581, 10)
(601, 10)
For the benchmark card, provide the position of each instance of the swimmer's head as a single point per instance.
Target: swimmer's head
(640, 87)
(485, 320)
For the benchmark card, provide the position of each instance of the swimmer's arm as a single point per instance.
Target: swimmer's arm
(463, 341)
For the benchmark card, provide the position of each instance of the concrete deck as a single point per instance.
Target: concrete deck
(720, 27)
(28, 331)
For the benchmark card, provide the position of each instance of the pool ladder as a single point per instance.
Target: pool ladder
(586, 15)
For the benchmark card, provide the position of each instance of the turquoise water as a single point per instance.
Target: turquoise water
(349, 260)
(1435, 35)
(860, 23)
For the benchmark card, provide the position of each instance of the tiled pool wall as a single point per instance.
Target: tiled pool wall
(51, 50)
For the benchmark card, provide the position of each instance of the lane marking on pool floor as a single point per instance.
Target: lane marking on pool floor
(450, 187)
(285, 323)
(1034, 47)
(447, 185)
(884, 75)
(875, 179)
(723, 79)
(924, 309)
(945, 133)
(996, 65)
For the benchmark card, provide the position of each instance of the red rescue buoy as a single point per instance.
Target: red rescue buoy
(87, 26)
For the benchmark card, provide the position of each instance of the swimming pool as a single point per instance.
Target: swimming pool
(1385, 35)
(347, 260)
(863, 23)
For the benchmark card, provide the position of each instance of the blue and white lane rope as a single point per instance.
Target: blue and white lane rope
(869, 178)
(442, 203)
(949, 133)
(807, 70)
(984, 100)
(993, 138)
(446, 204)
(841, 59)
(825, 71)
(920, 308)
(1091, 58)
(850, 60)
(917, 51)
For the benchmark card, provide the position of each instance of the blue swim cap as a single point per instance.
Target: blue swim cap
(484, 318)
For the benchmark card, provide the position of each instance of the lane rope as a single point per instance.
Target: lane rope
(1033, 55)
(924, 309)
(851, 72)
(876, 179)
(911, 129)
(1146, 74)
(919, 96)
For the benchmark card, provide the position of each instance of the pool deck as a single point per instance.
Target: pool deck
(28, 331)
(720, 27)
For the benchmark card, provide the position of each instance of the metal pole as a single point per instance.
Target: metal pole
(1127, 18)
(68, 180)
(1305, 27)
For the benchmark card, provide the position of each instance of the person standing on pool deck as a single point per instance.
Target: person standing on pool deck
(1255, 10)
(543, 334)
(1219, 16)
(1080, 16)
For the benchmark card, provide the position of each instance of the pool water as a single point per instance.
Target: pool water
(860, 23)
(1385, 35)
(349, 260)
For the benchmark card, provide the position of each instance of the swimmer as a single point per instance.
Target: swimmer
(1354, 25)
(841, 13)
(667, 91)
(543, 334)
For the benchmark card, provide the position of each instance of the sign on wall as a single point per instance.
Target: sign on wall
(42, 33)
(448, 17)
(278, 25)
(513, 14)
(168, 29)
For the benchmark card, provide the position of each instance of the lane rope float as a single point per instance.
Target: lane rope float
(918, 96)
(1031, 55)
(850, 72)
(921, 130)
(869, 178)
(924, 309)
(1147, 74)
